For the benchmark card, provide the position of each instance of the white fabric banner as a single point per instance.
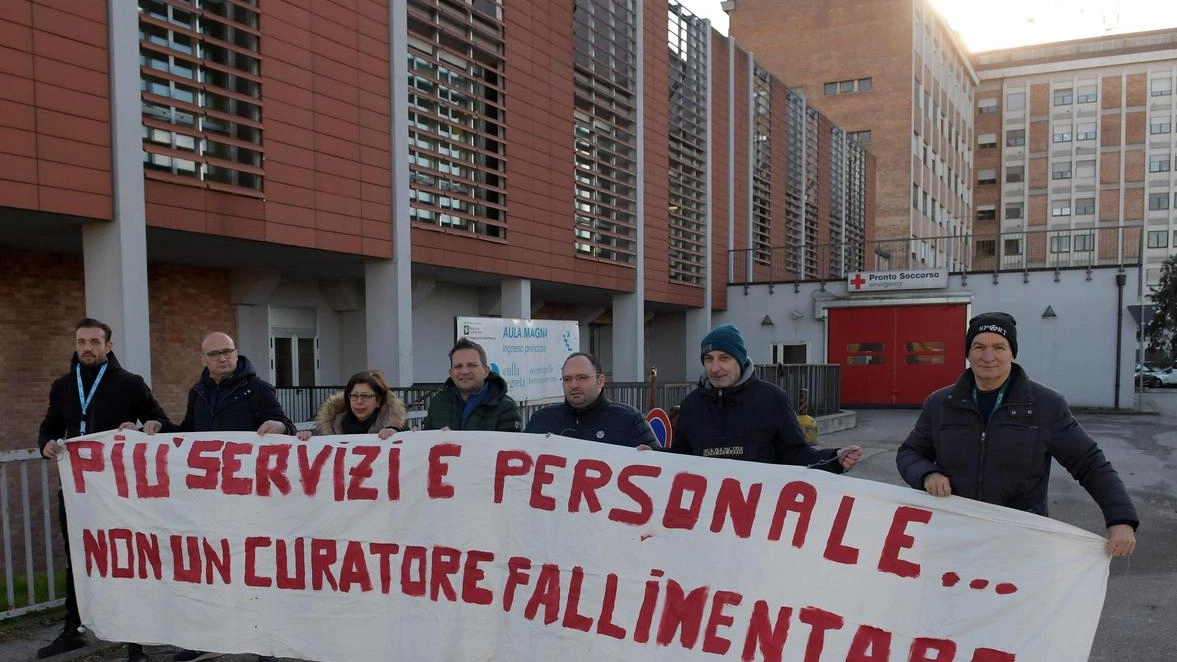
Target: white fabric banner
(463, 546)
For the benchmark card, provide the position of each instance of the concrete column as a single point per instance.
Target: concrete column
(629, 309)
(629, 332)
(115, 253)
(698, 323)
(515, 299)
(253, 337)
(388, 300)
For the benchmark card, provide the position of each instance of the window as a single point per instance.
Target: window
(1085, 169)
(1084, 206)
(1013, 211)
(987, 106)
(915, 196)
(1063, 97)
(1158, 163)
(1062, 134)
(1084, 243)
(849, 86)
(1158, 201)
(1015, 101)
(1061, 170)
(1013, 246)
(1085, 131)
(1160, 125)
(986, 248)
(986, 140)
(987, 176)
(1015, 137)
(986, 214)
(1086, 94)
(860, 137)
(1015, 174)
(1158, 238)
(1061, 208)
(1060, 244)
(1160, 87)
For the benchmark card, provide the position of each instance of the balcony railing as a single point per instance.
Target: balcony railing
(1022, 250)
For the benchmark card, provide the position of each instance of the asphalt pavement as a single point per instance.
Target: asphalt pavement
(1140, 611)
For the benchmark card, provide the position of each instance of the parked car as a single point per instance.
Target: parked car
(1167, 377)
(1147, 377)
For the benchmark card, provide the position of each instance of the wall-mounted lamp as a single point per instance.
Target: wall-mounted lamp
(767, 321)
(796, 315)
(1049, 312)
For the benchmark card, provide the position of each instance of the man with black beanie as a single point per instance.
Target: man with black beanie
(733, 414)
(991, 437)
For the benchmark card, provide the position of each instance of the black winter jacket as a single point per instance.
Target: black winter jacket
(603, 420)
(243, 401)
(121, 397)
(752, 420)
(1007, 462)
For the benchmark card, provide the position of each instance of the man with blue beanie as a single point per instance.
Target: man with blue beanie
(734, 414)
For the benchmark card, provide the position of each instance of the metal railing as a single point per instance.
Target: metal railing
(1022, 250)
(29, 534)
(301, 403)
(820, 382)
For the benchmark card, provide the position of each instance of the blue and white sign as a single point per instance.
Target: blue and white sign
(526, 353)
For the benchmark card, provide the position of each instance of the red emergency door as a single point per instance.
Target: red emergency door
(896, 355)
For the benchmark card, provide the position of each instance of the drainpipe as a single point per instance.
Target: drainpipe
(1121, 278)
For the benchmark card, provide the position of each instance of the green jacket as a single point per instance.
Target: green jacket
(498, 413)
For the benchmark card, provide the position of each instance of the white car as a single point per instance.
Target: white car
(1168, 377)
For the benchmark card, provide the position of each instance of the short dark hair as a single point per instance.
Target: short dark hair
(466, 343)
(591, 359)
(374, 380)
(91, 323)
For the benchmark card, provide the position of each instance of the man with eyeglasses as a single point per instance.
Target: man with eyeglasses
(230, 396)
(96, 394)
(587, 414)
(473, 398)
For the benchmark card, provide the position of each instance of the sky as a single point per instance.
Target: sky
(989, 24)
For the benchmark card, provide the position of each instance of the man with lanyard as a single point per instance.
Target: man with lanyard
(95, 395)
(991, 437)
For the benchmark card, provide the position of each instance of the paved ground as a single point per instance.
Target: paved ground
(1140, 612)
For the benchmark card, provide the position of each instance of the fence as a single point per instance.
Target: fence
(30, 534)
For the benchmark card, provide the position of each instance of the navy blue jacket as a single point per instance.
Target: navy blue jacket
(603, 420)
(1007, 462)
(241, 402)
(121, 397)
(751, 420)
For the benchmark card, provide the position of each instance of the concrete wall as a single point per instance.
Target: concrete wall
(1073, 352)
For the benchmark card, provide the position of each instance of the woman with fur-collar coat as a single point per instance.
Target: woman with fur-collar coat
(365, 406)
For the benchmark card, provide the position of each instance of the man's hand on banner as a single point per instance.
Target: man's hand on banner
(937, 484)
(1121, 540)
(51, 449)
(849, 456)
(272, 427)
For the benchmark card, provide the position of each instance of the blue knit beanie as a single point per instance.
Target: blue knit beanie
(725, 338)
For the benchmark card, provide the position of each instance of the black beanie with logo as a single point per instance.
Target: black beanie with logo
(1002, 324)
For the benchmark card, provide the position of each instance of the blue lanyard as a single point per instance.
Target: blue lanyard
(85, 398)
(996, 403)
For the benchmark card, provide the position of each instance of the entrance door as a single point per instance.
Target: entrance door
(896, 355)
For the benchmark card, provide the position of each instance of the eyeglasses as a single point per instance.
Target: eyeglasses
(361, 397)
(219, 353)
(579, 379)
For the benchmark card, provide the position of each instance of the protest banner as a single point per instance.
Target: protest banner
(503, 546)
